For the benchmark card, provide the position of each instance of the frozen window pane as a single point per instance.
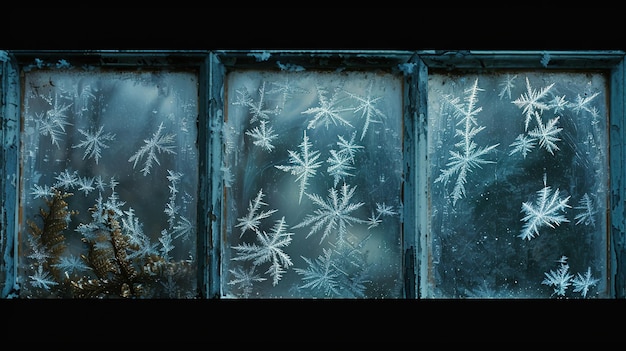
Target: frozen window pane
(312, 172)
(110, 184)
(519, 181)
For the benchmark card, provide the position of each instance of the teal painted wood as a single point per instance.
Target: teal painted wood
(9, 133)
(423, 196)
(463, 59)
(414, 152)
(213, 195)
(618, 179)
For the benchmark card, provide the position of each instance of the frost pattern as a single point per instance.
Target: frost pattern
(546, 211)
(582, 283)
(270, 249)
(462, 161)
(330, 110)
(93, 119)
(561, 279)
(341, 162)
(368, 109)
(157, 144)
(94, 142)
(304, 164)
(253, 219)
(333, 214)
(530, 103)
(587, 211)
(263, 136)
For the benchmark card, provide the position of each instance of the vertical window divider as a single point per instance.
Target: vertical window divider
(617, 160)
(10, 136)
(211, 186)
(414, 148)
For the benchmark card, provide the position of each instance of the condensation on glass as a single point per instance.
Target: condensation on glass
(109, 184)
(312, 174)
(519, 185)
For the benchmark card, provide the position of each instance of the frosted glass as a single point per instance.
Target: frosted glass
(312, 174)
(119, 149)
(519, 183)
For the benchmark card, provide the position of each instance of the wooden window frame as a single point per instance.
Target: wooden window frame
(213, 65)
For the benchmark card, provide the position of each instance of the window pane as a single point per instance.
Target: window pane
(109, 184)
(519, 180)
(312, 174)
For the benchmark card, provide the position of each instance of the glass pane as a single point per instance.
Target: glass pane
(519, 180)
(312, 174)
(109, 184)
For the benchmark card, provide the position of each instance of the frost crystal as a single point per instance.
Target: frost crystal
(328, 112)
(587, 209)
(469, 156)
(263, 136)
(546, 211)
(94, 143)
(583, 283)
(253, 219)
(270, 249)
(367, 107)
(531, 102)
(304, 164)
(333, 214)
(157, 144)
(559, 279)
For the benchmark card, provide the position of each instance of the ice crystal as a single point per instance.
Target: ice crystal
(183, 228)
(320, 274)
(286, 89)
(253, 219)
(85, 185)
(41, 191)
(469, 156)
(329, 112)
(560, 278)
(546, 134)
(507, 85)
(583, 283)
(245, 279)
(333, 214)
(368, 109)
(522, 144)
(531, 101)
(586, 206)
(348, 146)
(94, 142)
(55, 119)
(340, 165)
(42, 279)
(71, 264)
(133, 229)
(263, 136)
(157, 144)
(581, 103)
(558, 104)
(303, 164)
(381, 210)
(545, 59)
(171, 209)
(66, 180)
(258, 109)
(270, 249)
(546, 211)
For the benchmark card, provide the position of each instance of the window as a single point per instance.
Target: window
(312, 174)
